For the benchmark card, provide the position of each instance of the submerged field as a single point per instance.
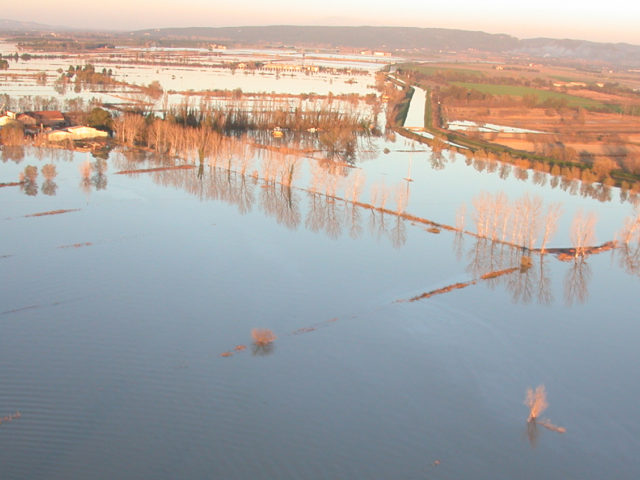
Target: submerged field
(182, 75)
(129, 301)
(272, 306)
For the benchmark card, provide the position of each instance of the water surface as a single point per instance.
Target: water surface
(115, 314)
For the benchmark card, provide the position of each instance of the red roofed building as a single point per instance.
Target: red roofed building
(44, 119)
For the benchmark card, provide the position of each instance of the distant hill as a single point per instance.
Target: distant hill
(358, 37)
(404, 39)
(407, 38)
(613, 53)
(8, 26)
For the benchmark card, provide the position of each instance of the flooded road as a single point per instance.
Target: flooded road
(415, 115)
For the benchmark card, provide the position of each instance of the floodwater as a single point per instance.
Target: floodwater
(118, 305)
(183, 72)
(466, 125)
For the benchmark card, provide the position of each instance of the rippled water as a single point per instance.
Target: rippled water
(114, 315)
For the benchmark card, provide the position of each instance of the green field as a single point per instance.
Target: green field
(542, 95)
(434, 69)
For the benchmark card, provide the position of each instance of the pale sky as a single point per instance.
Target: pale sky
(606, 20)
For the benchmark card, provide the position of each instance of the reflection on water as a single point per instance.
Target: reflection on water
(544, 292)
(572, 186)
(263, 339)
(222, 179)
(529, 282)
(93, 175)
(132, 341)
(12, 153)
(262, 350)
(532, 433)
(11, 417)
(244, 174)
(49, 172)
(271, 185)
(629, 258)
(576, 282)
(51, 81)
(629, 251)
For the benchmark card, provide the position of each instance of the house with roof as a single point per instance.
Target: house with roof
(43, 119)
(7, 117)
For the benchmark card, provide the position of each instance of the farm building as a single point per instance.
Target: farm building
(43, 119)
(75, 133)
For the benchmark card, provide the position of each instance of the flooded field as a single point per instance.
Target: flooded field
(184, 72)
(271, 304)
(167, 318)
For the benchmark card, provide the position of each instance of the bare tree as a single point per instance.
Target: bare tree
(494, 215)
(550, 224)
(530, 209)
(482, 205)
(129, 128)
(583, 232)
(402, 198)
(536, 400)
(355, 186)
(631, 229)
(499, 212)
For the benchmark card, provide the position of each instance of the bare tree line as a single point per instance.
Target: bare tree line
(583, 232)
(333, 131)
(629, 251)
(527, 283)
(330, 215)
(265, 114)
(523, 222)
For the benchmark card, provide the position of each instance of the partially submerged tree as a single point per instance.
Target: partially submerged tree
(550, 224)
(536, 400)
(631, 229)
(583, 232)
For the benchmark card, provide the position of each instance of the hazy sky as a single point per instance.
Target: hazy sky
(605, 20)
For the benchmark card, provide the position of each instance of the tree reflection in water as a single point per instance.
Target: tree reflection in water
(576, 282)
(93, 175)
(12, 153)
(225, 170)
(458, 244)
(545, 294)
(528, 282)
(353, 217)
(49, 172)
(532, 433)
(262, 350)
(281, 203)
(49, 187)
(399, 232)
(629, 251)
(28, 178)
(629, 258)
(99, 179)
(85, 176)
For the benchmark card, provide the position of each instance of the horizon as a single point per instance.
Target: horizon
(72, 28)
(613, 22)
